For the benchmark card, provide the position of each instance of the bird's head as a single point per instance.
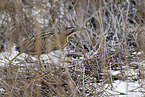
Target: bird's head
(71, 30)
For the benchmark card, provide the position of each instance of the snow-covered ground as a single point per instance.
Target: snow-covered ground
(120, 88)
(125, 89)
(51, 57)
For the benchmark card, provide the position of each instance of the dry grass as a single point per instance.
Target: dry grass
(84, 67)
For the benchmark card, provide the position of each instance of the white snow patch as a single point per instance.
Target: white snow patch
(125, 87)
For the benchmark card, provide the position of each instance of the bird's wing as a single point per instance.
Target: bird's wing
(29, 44)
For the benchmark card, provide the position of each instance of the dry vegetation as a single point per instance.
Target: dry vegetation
(108, 44)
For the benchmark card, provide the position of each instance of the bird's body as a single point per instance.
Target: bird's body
(46, 42)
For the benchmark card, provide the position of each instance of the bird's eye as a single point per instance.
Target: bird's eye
(69, 28)
(73, 31)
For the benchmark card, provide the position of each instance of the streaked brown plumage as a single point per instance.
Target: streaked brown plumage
(46, 42)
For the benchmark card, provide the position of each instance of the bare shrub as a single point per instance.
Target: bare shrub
(84, 68)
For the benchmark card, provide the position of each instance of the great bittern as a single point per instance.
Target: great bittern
(46, 42)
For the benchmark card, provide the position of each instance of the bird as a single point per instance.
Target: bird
(46, 42)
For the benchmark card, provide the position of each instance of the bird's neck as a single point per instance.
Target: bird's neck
(62, 40)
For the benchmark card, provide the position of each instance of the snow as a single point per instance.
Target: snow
(120, 88)
(125, 87)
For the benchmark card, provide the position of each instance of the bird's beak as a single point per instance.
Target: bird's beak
(79, 29)
(75, 30)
